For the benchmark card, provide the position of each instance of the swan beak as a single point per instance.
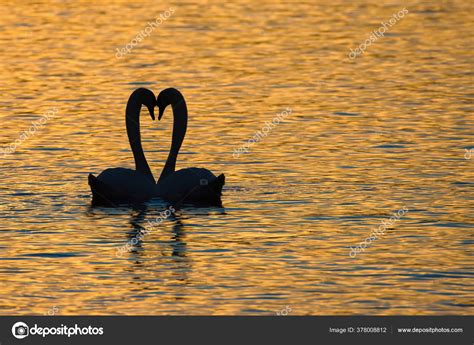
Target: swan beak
(152, 113)
(161, 112)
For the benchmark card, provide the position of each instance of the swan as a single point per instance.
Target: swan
(121, 185)
(196, 185)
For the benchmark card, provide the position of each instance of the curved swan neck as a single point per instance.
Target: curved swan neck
(132, 122)
(180, 123)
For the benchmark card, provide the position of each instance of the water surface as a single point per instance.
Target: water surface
(365, 138)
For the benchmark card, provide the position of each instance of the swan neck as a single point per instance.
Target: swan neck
(132, 122)
(180, 123)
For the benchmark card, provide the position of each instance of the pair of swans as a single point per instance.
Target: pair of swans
(120, 185)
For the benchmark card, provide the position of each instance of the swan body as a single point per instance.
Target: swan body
(191, 185)
(121, 185)
(186, 185)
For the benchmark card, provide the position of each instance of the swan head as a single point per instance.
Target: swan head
(166, 97)
(151, 110)
(147, 98)
(150, 102)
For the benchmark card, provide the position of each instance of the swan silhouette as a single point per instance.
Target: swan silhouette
(194, 185)
(121, 185)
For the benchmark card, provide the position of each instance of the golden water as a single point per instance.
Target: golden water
(365, 138)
